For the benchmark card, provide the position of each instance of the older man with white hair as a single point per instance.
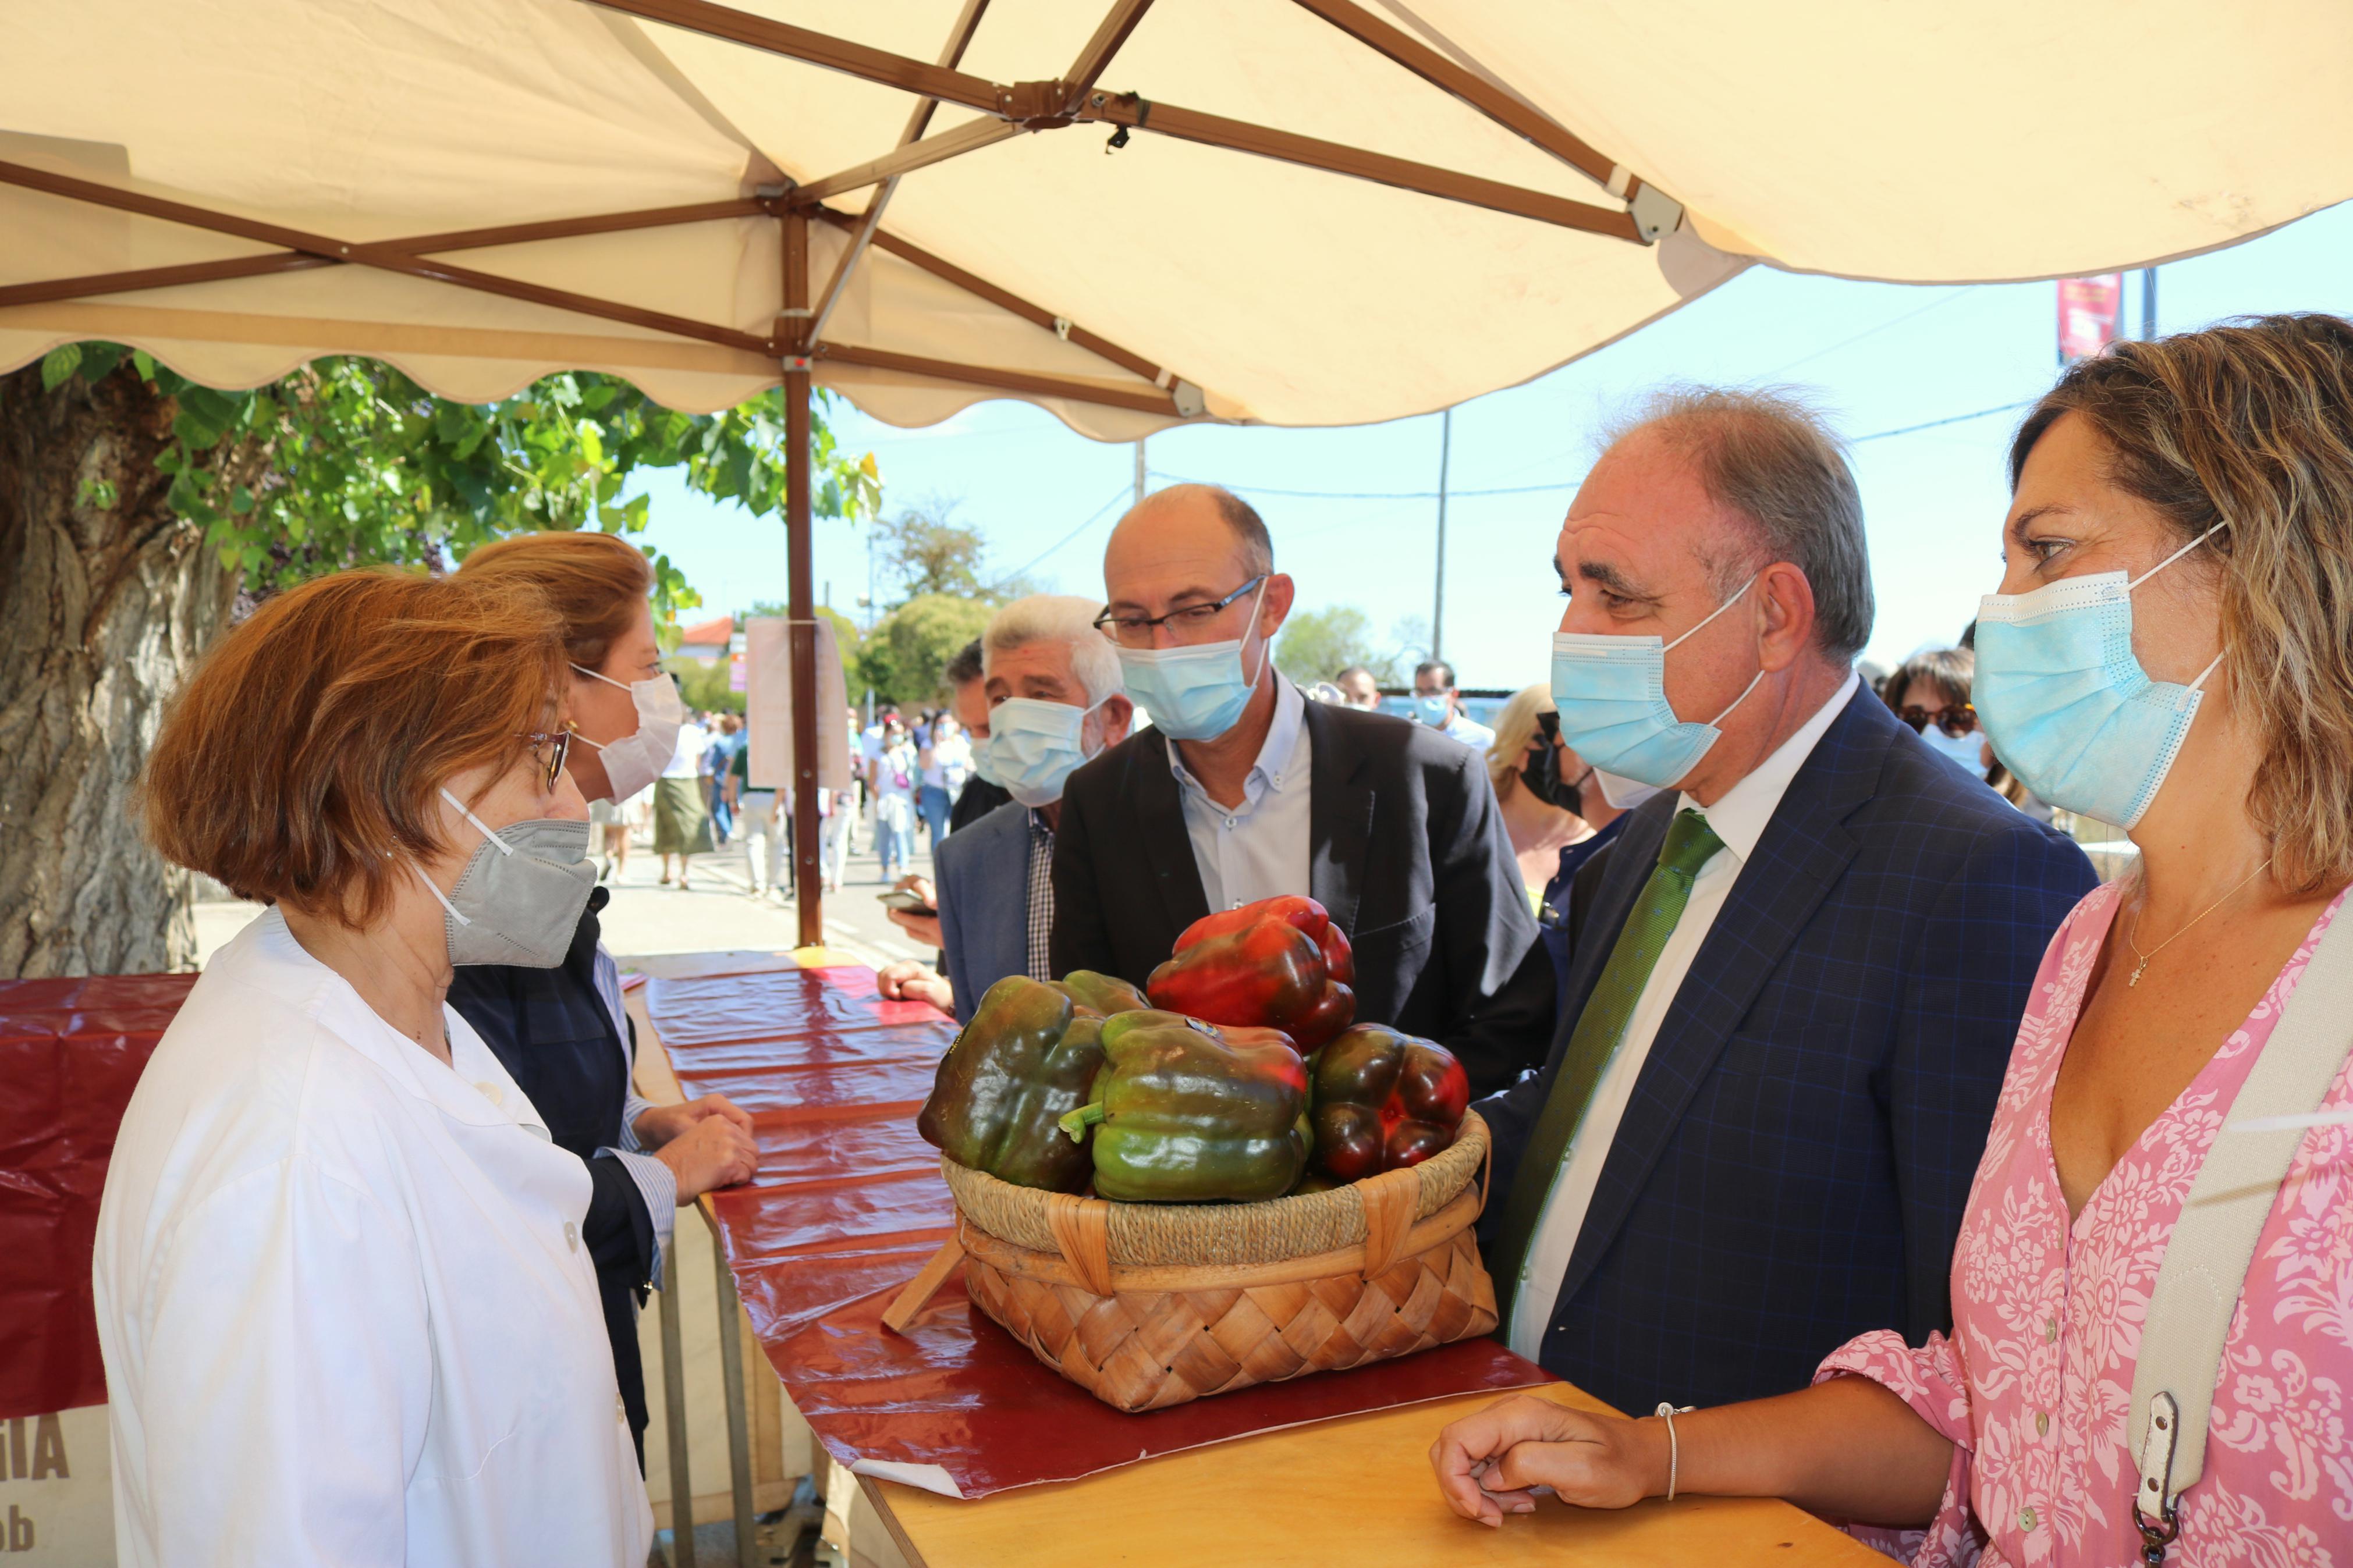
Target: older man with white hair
(1054, 701)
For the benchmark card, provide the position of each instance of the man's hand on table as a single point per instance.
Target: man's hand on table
(707, 1143)
(907, 981)
(1487, 1462)
(924, 928)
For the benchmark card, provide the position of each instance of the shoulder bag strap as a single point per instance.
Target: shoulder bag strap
(2213, 1243)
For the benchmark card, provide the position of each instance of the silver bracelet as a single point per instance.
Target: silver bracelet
(1668, 1413)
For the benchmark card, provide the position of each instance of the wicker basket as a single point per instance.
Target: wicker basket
(1147, 1305)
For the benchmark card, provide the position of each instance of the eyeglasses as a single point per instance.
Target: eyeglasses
(1136, 630)
(1956, 720)
(549, 751)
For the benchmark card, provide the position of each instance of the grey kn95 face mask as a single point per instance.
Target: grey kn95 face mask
(520, 898)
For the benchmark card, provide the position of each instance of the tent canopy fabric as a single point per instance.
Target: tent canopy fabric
(1286, 211)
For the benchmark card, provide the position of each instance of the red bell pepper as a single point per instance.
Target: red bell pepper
(1384, 1101)
(1279, 964)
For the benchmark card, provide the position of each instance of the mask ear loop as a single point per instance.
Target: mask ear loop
(2172, 558)
(505, 848)
(1265, 648)
(2210, 670)
(439, 896)
(1727, 603)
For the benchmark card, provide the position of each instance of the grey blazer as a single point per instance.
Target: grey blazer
(982, 872)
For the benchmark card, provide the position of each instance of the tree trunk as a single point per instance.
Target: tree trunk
(103, 609)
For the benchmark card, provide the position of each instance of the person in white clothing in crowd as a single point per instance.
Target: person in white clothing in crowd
(341, 1289)
(1437, 704)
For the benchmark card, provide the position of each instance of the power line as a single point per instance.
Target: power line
(1558, 484)
(1934, 423)
(1370, 495)
(1093, 518)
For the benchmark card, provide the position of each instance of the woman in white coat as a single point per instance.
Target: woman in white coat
(346, 1311)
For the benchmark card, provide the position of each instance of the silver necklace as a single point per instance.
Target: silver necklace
(2200, 915)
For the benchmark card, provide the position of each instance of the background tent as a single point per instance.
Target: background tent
(1288, 211)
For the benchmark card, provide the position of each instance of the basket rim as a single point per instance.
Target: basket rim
(1216, 1235)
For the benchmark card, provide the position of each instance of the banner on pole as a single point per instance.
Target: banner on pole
(2091, 312)
(768, 705)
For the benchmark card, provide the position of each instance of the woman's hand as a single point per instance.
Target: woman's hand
(657, 1125)
(715, 1152)
(907, 981)
(1486, 1463)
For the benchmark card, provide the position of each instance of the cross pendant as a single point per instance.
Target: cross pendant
(2135, 975)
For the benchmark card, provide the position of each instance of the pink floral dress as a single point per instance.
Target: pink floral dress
(2034, 1385)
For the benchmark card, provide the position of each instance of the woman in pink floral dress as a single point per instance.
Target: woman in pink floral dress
(2179, 507)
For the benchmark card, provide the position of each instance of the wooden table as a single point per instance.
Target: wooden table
(1355, 1491)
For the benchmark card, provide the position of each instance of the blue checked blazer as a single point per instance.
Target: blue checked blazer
(981, 872)
(1791, 1169)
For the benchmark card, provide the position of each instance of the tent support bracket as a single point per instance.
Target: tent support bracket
(1047, 105)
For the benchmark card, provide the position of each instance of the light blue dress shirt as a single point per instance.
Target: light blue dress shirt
(1260, 849)
(655, 1185)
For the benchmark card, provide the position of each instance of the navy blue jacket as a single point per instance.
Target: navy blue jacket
(982, 873)
(551, 1031)
(1791, 1169)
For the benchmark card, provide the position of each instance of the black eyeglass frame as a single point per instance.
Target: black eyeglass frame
(1115, 625)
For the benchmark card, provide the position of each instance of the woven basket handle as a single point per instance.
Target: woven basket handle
(1081, 1228)
(1389, 1200)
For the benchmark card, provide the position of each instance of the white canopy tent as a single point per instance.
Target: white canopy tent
(1131, 214)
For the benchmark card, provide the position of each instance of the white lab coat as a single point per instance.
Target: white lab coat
(346, 1312)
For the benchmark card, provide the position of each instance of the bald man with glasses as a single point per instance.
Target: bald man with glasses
(1243, 789)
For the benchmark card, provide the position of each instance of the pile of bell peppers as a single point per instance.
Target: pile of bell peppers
(1233, 1076)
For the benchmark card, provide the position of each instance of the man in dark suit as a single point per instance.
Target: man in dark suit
(1794, 991)
(1244, 790)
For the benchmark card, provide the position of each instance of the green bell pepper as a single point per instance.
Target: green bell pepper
(1186, 1111)
(1102, 994)
(1029, 1055)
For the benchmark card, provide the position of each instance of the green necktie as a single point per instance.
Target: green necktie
(1689, 843)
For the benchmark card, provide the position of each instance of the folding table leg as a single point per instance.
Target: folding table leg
(738, 1432)
(681, 1480)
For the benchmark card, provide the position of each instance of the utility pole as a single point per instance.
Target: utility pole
(2148, 302)
(1438, 596)
(1139, 473)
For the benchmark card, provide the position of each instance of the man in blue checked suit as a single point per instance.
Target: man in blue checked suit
(1793, 995)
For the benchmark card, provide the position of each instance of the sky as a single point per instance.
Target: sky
(1349, 509)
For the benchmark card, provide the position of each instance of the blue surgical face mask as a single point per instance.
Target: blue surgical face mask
(1962, 749)
(1036, 746)
(1612, 693)
(2069, 708)
(1192, 693)
(1433, 710)
(984, 766)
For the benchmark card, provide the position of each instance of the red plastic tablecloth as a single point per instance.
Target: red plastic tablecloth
(70, 1052)
(849, 1204)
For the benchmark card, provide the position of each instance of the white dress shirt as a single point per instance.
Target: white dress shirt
(1739, 819)
(346, 1310)
(1260, 849)
(1462, 727)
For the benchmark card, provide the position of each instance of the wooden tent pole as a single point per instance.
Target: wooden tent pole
(808, 854)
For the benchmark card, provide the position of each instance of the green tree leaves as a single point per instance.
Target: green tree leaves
(906, 656)
(1317, 644)
(347, 462)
